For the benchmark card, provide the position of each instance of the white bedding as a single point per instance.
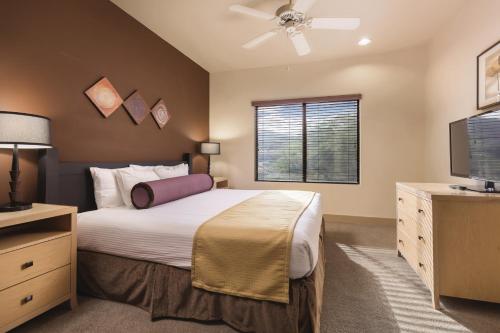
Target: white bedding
(164, 234)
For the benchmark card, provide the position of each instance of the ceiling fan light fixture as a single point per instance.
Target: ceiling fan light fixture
(292, 19)
(364, 41)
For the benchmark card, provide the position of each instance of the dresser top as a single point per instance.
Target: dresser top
(38, 212)
(438, 191)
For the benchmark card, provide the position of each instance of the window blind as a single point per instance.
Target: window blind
(332, 142)
(315, 142)
(279, 143)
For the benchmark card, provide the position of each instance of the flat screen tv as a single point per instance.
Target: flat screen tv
(475, 149)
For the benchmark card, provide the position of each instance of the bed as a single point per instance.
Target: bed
(143, 257)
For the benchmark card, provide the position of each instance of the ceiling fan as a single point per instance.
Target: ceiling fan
(292, 19)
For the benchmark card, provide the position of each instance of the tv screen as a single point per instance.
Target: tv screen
(484, 146)
(459, 149)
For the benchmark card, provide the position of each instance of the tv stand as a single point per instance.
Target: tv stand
(489, 187)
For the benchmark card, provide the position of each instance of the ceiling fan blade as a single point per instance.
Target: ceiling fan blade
(303, 6)
(251, 12)
(260, 39)
(300, 43)
(335, 23)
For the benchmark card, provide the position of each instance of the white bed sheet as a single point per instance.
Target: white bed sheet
(164, 234)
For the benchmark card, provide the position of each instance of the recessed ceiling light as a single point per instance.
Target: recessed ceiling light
(364, 41)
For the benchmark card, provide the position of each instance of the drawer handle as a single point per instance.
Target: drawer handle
(421, 211)
(420, 265)
(420, 238)
(400, 199)
(27, 299)
(401, 221)
(27, 265)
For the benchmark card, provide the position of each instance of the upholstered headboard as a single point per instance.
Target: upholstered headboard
(70, 183)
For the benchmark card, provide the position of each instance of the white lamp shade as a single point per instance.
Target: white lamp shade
(25, 130)
(210, 148)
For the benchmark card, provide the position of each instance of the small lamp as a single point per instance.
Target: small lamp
(21, 131)
(210, 148)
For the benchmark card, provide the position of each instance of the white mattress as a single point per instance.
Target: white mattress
(164, 234)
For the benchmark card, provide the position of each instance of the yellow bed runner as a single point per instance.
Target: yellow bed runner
(245, 250)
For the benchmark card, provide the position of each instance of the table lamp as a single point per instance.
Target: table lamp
(21, 131)
(210, 148)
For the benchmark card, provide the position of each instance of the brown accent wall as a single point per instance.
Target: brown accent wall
(53, 50)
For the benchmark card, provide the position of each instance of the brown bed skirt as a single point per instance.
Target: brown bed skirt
(166, 292)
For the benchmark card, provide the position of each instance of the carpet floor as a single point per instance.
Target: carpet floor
(367, 289)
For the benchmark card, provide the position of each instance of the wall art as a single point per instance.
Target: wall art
(104, 96)
(136, 107)
(488, 77)
(160, 113)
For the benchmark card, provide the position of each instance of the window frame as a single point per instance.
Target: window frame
(304, 102)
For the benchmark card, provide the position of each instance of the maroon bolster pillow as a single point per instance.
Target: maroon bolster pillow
(157, 192)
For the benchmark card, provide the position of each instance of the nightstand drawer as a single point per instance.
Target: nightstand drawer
(26, 263)
(29, 297)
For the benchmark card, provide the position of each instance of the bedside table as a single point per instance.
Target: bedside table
(221, 182)
(38, 262)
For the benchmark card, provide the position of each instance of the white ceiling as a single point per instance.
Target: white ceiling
(211, 35)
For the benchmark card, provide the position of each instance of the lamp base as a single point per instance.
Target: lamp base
(17, 206)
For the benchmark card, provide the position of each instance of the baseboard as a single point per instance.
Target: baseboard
(330, 218)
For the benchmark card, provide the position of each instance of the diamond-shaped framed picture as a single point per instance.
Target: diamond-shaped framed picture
(104, 97)
(136, 107)
(160, 113)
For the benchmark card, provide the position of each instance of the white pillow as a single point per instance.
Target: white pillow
(179, 170)
(106, 191)
(127, 178)
(142, 167)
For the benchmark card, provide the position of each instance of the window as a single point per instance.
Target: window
(314, 140)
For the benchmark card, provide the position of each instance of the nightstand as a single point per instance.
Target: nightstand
(221, 182)
(38, 262)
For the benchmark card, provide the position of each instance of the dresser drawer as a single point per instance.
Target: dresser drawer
(417, 227)
(407, 248)
(418, 256)
(408, 224)
(413, 205)
(425, 267)
(23, 264)
(28, 297)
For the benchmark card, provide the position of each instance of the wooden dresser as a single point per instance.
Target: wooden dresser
(37, 262)
(451, 238)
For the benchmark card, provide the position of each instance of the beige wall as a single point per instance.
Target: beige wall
(392, 86)
(451, 81)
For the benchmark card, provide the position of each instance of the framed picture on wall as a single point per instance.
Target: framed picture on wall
(488, 77)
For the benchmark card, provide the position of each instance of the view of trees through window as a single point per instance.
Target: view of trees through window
(308, 142)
